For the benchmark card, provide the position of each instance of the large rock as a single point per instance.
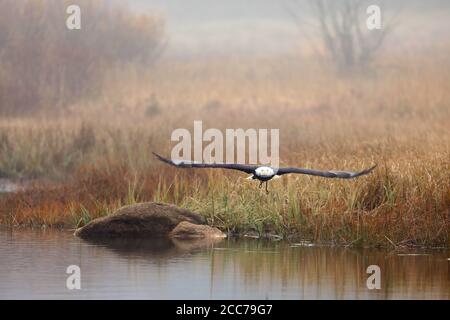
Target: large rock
(147, 219)
(187, 230)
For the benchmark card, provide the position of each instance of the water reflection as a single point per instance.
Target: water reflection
(7, 186)
(336, 273)
(154, 248)
(33, 265)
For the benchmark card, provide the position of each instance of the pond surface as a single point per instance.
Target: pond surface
(7, 186)
(33, 265)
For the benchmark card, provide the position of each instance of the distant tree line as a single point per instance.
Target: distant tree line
(44, 65)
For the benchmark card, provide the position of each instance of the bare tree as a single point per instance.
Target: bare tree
(345, 39)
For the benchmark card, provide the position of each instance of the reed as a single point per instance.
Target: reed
(91, 163)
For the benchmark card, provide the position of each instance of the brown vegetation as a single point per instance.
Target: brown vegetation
(46, 66)
(89, 162)
(397, 119)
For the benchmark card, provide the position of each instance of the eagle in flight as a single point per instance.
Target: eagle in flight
(264, 173)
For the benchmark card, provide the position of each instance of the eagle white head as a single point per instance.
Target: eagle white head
(264, 172)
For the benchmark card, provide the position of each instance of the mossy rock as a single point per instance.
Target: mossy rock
(147, 220)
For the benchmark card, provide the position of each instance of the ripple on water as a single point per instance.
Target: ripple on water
(7, 186)
(33, 265)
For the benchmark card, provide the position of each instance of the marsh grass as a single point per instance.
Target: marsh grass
(89, 165)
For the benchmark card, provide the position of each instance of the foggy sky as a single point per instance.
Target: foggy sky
(265, 27)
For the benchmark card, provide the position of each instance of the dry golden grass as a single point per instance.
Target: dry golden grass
(94, 160)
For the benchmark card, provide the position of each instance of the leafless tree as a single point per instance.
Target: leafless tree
(345, 40)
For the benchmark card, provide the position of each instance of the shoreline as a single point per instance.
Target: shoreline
(41, 205)
(293, 239)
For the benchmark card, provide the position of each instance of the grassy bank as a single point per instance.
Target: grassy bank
(88, 164)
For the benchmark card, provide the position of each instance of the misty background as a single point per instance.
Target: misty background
(265, 27)
(81, 111)
(135, 45)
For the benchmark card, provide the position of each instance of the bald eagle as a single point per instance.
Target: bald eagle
(264, 173)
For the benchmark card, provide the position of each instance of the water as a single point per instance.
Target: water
(7, 186)
(33, 266)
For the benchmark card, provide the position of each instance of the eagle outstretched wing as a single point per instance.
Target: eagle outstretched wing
(326, 174)
(193, 164)
(251, 168)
